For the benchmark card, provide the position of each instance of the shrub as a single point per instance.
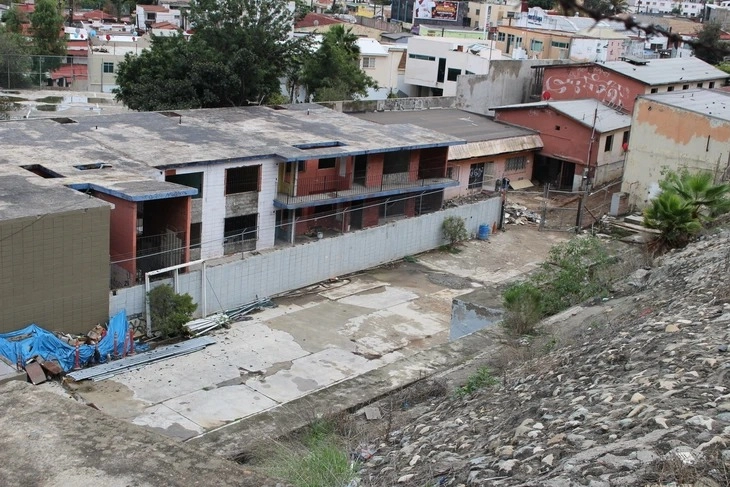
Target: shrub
(523, 308)
(454, 229)
(170, 311)
(480, 379)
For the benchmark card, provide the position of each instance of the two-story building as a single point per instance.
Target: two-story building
(674, 131)
(148, 15)
(205, 183)
(581, 139)
(620, 82)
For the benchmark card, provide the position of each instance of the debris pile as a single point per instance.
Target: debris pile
(519, 215)
(640, 398)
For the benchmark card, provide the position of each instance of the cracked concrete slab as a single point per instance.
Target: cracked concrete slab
(168, 422)
(381, 298)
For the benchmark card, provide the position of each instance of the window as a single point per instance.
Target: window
(301, 166)
(712, 84)
(670, 88)
(685, 87)
(237, 228)
(108, 67)
(609, 143)
(516, 163)
(151, 16)
(559, 45)
(536, 45)
(195, 229)
(654, 90)
(193, 180)
(476, 176)
(421, 57)
(699, 85)
(501, 36)
(478, 12)
(368, 62)
(518, 41)
(328, 163)
(396, 162)
(441, 71)
(242, 179)
(453, 74)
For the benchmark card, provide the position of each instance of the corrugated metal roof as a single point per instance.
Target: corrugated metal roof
(582, 111)
(715, 104)
(670, 70)
(494, 147)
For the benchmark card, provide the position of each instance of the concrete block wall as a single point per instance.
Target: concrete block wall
(279, 270)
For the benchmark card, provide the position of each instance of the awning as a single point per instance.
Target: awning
(521, 184)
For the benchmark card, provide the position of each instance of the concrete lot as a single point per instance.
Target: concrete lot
(315, 338)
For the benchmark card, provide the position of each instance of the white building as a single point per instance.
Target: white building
(147, 15)
(435, 63)
(684, 8)
(385, 63)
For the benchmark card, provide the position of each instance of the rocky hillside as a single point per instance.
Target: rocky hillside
(636, 394)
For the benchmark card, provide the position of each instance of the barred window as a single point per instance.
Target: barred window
(242, 179)
(516, 163)
(476, 176)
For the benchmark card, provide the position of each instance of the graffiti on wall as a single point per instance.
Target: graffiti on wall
(582, 83)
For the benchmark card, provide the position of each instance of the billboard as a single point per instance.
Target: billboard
(436, 10)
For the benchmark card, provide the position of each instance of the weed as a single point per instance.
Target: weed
(454, 230)
(410, 259)
(481, 378)
(523, 308)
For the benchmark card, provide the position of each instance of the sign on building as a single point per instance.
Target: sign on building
(439, 10)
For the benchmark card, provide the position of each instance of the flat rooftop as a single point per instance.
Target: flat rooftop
(669, 70)
(713, 103)
(589, 112)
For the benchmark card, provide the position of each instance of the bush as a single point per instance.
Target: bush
(454, 229)
(170, 311)
(480, 379)
(523, 308)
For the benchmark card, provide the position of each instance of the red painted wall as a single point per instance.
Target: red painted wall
(314, 180)
(569, 142)
(122, 232)
(370, 216)
(374, 171)
(578, 82)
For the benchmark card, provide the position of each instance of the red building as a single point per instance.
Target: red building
(618, 83)
(581, 138)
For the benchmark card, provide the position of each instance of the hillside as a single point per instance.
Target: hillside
(632, 391)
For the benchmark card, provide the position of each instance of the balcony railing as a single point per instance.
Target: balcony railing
(321, 189)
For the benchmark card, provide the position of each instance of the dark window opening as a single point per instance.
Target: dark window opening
(626, 138)
(41, 171)
(237, 228)
(108, 67)
(195, 232)
(671, 88)
(192, 180)
(453, 74)
(476, 176)
(712, 84)
(557, 127)
(699, 85)
(395, 208)
(441, 72)
(301, 166)
(242, 179)
(655, 90)
(63, 120)
(685, 87)
(609, 143)
(328, 163)
(396, 162)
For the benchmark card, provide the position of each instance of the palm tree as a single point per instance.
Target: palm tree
(618, 6)
(673, 216)
(707, 199)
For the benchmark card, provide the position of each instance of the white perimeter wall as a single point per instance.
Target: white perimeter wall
(279, 270)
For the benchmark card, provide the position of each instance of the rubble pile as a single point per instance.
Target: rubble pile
(643, 399)
(519, 215)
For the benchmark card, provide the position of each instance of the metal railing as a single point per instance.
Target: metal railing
(358, 183)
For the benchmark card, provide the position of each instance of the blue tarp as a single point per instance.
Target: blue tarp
(44, 344)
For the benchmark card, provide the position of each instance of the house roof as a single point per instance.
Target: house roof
(164, 26)
(371, 47)
(314, 20)
(712, 103)
(153, 8)
(94, 14)
(71, 72)
(669, 70)
(483, 135)
(584, 111)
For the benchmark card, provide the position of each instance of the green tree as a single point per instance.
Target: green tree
(333, 72)
(454, 229)
(240, 50)
(15, 62)
(170, 311)
(47, 24)
(708, 46)
(14, 20)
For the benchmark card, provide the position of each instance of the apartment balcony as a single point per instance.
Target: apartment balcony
(358, 186)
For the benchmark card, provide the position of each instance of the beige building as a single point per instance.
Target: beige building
(491, 12)
(673, 131)
(105, 57)
(524, 43)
